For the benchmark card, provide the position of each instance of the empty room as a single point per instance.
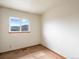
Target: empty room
(39, 29)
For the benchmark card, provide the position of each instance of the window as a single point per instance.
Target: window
(19, 25)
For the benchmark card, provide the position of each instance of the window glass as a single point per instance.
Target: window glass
(19, 25)
(25, 25)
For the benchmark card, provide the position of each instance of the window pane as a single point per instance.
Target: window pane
(15, 24)
(24, 28)
(24, 25)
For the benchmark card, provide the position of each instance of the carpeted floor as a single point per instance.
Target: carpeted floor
(35, 52)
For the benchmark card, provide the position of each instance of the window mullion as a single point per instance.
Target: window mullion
(20, 26)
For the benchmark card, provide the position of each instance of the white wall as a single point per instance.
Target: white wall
(61, 29)
(0, 22)
(12, 41)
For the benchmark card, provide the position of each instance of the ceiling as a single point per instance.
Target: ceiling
(32, 6)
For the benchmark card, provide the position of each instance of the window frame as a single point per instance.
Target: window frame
(10, 18)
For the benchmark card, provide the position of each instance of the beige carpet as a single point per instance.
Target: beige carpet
(35, 52)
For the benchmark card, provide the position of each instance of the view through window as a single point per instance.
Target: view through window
(19, 25)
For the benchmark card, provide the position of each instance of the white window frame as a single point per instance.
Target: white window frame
(20, 27)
